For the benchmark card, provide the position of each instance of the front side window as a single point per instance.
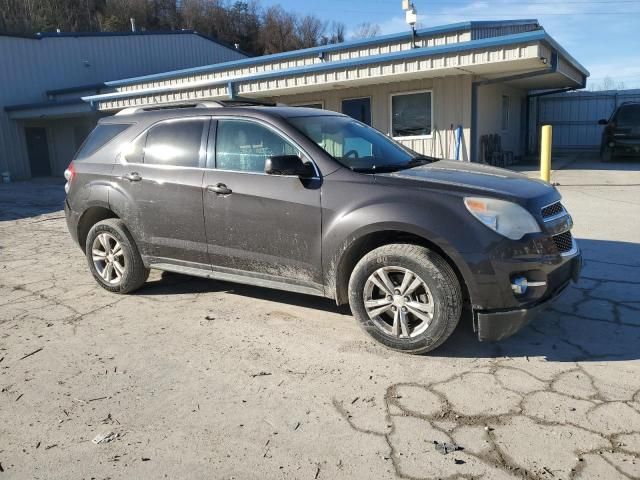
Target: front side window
(411, 114)
(244, 146)
(175, 142)
(355, 145)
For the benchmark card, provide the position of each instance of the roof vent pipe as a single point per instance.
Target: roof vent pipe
(133, 24)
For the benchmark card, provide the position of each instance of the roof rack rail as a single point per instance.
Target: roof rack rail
(235, 102)
(166, 106)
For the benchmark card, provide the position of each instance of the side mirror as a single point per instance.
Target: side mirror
(288, 165)
(603, 122)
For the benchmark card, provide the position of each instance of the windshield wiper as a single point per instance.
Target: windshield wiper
(420, 160)
(378, 169)
(391, 167)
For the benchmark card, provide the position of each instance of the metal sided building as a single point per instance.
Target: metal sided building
(440, 95)
(42, 117)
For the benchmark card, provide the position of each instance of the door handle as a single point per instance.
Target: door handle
(219, 189)
(132, 177)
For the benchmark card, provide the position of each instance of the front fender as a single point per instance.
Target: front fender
(438, 218)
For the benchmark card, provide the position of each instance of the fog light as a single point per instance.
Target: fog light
(519, 285)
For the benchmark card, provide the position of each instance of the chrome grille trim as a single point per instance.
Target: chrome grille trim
(563, 242)
(553, 211)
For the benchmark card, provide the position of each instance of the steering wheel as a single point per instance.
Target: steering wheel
(352, 152)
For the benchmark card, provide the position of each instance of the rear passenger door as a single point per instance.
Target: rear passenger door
(161, 175)
(267, 226)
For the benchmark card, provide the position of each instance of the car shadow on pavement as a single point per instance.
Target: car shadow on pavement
(597, 319)
(175, 283)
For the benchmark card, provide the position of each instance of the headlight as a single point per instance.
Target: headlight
(506, 218)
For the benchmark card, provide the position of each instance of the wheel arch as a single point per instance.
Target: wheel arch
(343, 265)
(91, 216)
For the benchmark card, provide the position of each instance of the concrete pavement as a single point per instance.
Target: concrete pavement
(200, 378)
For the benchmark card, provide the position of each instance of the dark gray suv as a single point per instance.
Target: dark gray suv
(315, 202)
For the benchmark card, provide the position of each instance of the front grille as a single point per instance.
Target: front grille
(552, 210)
(564, 242)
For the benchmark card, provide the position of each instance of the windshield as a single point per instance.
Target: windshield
(357, 146)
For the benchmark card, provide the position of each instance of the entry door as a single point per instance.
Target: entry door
(162, 176)
(358, 108)
(38, 151)
(264, 224)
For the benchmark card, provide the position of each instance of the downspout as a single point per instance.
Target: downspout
(474, 98)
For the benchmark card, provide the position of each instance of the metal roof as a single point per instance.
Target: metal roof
(43, 35)
(537, 35)
(454, 27)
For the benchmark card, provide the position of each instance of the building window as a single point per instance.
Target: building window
(506, 107)
(318, 105)
(411, 114)
(358, 108)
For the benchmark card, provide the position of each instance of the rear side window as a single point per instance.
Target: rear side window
(100, 136)
(629, 116)
(176, 142)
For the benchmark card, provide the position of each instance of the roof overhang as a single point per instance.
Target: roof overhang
(59, 109)
(524, 58)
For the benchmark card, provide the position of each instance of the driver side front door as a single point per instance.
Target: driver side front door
(266, 227)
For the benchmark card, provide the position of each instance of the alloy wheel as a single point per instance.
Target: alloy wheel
(108, 258)
(398, 302)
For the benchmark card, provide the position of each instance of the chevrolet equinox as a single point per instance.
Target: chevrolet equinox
(315, 202)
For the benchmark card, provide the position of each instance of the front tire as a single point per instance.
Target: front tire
(406, 297)
(113, 257)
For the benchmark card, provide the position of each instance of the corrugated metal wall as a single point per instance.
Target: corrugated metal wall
(490, 31)
(575, 116)
(32, 66)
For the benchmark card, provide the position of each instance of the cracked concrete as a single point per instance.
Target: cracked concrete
(202, 378)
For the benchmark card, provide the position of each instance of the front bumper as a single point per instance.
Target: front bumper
(497, 325)
(625, 146)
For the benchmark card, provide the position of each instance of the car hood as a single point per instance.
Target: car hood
(472, 177)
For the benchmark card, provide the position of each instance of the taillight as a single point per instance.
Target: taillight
(69, 174)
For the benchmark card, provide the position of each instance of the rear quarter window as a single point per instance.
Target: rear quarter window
(99, 137)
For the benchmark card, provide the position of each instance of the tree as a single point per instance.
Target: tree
(608, 83)
(309, 31)
(278, 31)
(336, 33)
(366, 30)
(243, 22)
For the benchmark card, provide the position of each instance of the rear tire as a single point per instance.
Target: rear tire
(113, 257)
(423, 308)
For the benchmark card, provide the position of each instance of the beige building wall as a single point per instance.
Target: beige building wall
(490, 115)
(451, 106)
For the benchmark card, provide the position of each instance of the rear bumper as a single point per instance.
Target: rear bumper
(497, 325)
(72, 221)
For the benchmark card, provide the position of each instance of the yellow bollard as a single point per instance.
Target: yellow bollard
(545, 153)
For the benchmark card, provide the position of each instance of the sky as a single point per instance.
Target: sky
(602, 35)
